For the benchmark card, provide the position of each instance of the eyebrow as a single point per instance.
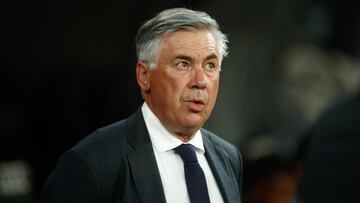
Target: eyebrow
(211, 56)
(188, 58)
(184, 57)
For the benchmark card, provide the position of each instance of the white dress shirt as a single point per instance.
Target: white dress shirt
(171, 165)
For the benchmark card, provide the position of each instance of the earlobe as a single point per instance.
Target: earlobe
(143, 76)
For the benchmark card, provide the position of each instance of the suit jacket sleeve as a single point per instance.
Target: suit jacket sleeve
(237, 168)
(240, 174)
(72, 181)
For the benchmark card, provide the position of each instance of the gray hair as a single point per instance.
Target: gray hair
(172, 20)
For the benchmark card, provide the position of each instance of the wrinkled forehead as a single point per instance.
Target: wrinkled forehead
(191, 38)
(189, 29)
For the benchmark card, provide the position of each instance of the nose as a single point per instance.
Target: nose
(198, 78)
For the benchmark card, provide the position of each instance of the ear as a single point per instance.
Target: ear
(143, 76)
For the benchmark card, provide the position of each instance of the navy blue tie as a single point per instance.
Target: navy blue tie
(194, 175)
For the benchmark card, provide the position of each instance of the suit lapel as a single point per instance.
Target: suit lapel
(142, 162)
(221, 170)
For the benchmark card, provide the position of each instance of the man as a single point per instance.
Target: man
(144, 158)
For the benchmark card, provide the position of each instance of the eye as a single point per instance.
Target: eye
(182, 65)
(211, 67)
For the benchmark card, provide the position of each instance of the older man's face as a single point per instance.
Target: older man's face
(182, 89)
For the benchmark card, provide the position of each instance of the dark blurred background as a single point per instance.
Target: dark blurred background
(68, 67)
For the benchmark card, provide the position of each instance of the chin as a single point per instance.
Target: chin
(194, 123)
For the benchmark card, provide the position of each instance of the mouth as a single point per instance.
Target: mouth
(196, 105)
(197, 101)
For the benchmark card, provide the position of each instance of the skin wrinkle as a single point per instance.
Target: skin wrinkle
(152, 57)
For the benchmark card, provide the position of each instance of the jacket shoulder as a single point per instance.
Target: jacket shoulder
(113, 139)
(216, 140)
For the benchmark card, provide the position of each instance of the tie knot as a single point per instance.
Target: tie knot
(186, 152)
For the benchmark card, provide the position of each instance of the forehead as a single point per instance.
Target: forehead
(189, 41)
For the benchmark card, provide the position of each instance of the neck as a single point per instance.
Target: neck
(184, 138)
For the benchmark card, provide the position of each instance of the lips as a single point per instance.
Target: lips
(196, 100)
(196, 105)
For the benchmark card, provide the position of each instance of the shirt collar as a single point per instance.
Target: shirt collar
(161, 138)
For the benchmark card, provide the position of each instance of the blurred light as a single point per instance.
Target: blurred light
(15, 178)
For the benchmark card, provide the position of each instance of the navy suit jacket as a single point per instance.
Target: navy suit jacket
(116, 164)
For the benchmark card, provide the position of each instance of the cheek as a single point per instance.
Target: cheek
(172, 92)
(214, 88)
(177, 87)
